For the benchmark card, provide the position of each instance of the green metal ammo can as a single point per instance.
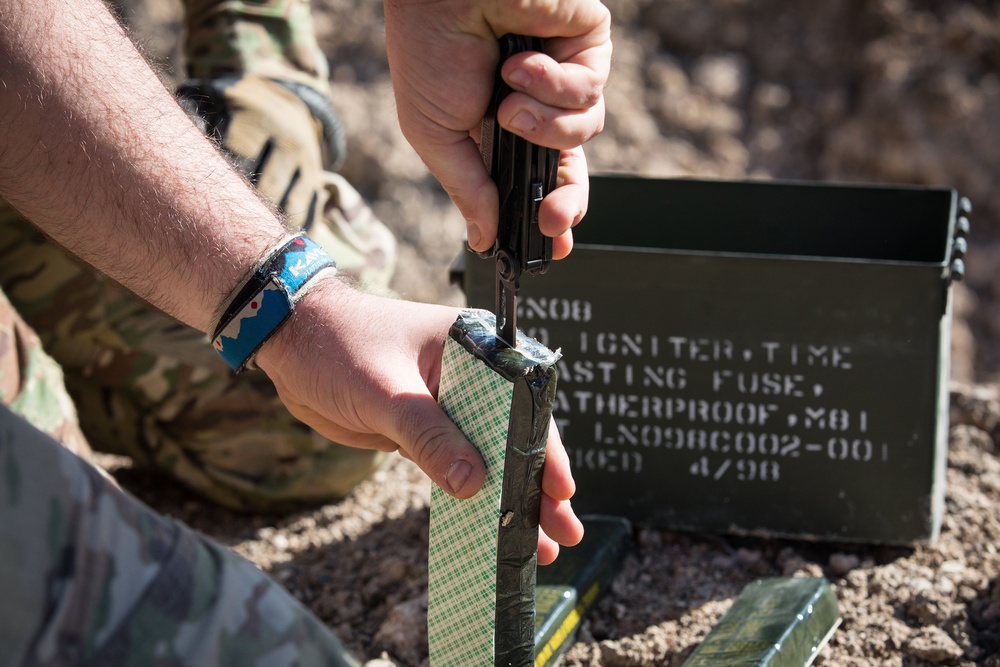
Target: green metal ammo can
(753, 357)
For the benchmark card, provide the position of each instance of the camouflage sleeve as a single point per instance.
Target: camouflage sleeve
(270, 38)
(91, 576)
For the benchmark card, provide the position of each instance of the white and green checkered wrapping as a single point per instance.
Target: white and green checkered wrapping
(462, 561)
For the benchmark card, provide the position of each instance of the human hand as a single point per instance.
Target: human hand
(364, 371)
(558, 523)
(443, 56)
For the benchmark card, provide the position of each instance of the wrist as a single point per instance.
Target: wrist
(328, 293)
(265, 300)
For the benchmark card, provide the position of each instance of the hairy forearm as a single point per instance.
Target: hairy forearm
(96, 152)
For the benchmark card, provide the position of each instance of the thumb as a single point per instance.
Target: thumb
(430, 439)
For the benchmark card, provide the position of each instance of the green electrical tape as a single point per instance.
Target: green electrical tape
(775, 622)
(482, 551)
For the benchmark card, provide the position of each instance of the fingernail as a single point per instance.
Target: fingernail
(472, 231)
(524, 122)
(458, 475)
(519, 79)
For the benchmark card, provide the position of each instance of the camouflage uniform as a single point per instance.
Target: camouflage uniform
(31, 383)
(89, 575)
(155, 390)
(270, 38)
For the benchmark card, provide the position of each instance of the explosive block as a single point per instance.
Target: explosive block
(775, 622)
(483, 551)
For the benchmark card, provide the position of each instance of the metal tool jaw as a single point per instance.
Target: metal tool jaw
(524, 173)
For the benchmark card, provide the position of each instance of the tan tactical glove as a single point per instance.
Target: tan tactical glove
(283, 135)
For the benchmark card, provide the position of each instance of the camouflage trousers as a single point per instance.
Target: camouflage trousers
(90, 576)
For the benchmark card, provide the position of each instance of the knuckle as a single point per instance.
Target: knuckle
(429, 442)
(591, 96)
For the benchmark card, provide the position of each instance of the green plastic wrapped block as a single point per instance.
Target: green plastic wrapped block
(569, 588)
(775, 622)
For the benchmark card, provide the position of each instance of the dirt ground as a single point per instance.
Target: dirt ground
(889, 91)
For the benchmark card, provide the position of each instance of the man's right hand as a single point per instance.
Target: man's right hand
(443, 55)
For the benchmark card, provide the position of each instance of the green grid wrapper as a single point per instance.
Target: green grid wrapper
(482, 551)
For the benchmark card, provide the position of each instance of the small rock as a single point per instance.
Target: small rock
(967, 593)
(953, 567)
(621, 653)
(382, 661)
(650, 538)
(841, 564)
(796, 566)
(404, 631)
(771, 96)
(919, 585)
(858, 580)
(933, 645)
(930, 608)
(723, 76)
(393, 568)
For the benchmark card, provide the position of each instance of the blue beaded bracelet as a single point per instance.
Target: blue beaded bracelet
(266, 300)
